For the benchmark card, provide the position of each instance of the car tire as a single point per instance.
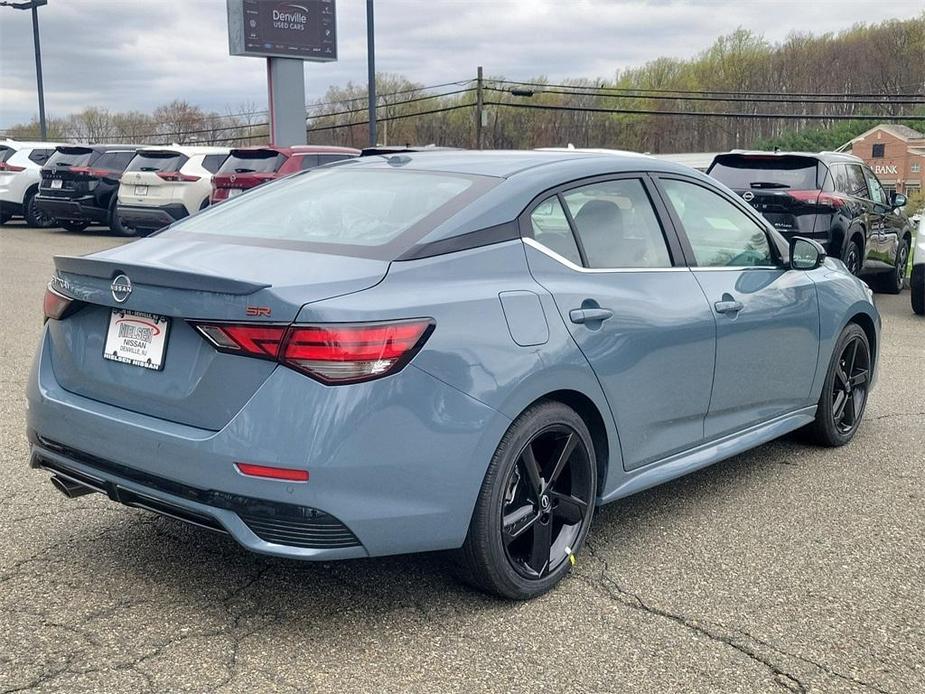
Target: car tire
(527, 557)
(918, 289)
(893, 282)
(840, 408)
(853, 257)
(34, 216)
(73, 225)
(115, 223)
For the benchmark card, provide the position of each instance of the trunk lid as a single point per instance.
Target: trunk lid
(153, 178)
(188, 281)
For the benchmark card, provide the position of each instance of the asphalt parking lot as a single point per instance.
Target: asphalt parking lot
(788, 568)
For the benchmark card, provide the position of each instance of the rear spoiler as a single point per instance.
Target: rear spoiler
(155, 276)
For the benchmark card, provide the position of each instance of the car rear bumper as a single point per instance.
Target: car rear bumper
(395, 463)
(77, 209)
(151, 217)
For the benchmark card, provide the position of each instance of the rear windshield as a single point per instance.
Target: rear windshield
(371, 213)
(252, 161)
(114, 161)
(157, 161)
(70, 156)
(742, 173)
(6, 153)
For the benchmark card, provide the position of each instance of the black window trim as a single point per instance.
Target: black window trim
(781, 253)
(669, 232)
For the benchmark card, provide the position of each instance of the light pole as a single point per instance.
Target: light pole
(371, 67)
(34, 6)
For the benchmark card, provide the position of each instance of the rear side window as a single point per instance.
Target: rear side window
(745, 173)
(617, 226)
(70, 156)
(340, 211)
(114, 161)
(307, 161)
(551, 228)
(857, 186)
(40, 156)
(877, 193)
(157, 161)
(252, 161)
(720, 234)
(6, 153)
(213, 162)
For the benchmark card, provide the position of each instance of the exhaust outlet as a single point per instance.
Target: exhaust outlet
(70, 489)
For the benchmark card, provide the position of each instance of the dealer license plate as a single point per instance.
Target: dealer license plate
(56, 183)
(233, 192)
(137, 338)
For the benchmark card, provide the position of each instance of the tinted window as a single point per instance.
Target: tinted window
(212, 162)
(40, 156)
(770, 171)
(328, 158)
(856, 184)
(876, 190)
(840, 176)
(720, 234)
(157, 161)
(114, 161)
(617, 226)
(551, 228)
(252, 161)
(6, 153)
(350, 209)
(307, 161)
(70, 156)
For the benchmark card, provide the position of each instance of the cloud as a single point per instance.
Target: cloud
(134, 54)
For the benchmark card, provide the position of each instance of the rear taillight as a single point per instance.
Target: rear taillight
(90, 171)
(9, 167)
(332, 353)
(818, 197)
(176, 176)
(55, 305)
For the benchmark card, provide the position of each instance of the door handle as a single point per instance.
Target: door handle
(589, 315)
(728, 306)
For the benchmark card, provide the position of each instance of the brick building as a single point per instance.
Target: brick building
(895, 153)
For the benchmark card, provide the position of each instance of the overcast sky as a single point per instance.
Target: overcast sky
(136, 54)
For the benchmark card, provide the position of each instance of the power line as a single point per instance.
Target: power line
(707, 114)
(664, 97)
(394, 103)
(712, 91)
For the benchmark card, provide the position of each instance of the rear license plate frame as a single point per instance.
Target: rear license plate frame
(117, 349)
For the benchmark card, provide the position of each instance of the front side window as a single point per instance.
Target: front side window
(876, 190)
(551, 228)
(338, 210)
(720, 234)
(617, 226)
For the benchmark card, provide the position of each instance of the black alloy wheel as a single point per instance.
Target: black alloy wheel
(853, 258)
(894, 282)
(34, 215)
(546, 498)
(844, 394)
(535, 505)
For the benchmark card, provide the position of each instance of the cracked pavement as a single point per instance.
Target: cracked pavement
(786, 569)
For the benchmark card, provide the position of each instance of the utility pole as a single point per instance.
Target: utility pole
(34, 6)
(478, 109)
(371, 65)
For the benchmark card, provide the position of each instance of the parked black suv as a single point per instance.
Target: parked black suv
(80, 184)
(830, 197)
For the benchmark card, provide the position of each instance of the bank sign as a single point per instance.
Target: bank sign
(885, 169)
(301, 29)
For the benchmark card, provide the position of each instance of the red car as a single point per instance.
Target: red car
(248, 167)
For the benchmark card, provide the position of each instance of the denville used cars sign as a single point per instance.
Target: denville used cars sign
(301, 29)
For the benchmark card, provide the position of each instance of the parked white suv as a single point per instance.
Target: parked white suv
(918, 269)
(20, 167)
(163, 184)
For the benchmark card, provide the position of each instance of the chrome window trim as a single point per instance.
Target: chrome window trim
(596, 270)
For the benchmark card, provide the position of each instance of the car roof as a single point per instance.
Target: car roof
(19, 144)
(299, 149)
(101, 148)
(510, 163)
(826, 157)
(188, 150)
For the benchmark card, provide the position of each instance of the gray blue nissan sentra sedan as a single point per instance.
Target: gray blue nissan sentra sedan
(462, 351)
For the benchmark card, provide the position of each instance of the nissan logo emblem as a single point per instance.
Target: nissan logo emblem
(748, 196)
(121, 288)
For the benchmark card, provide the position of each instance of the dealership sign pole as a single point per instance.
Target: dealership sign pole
(286, 34)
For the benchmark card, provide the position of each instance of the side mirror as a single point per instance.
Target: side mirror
(898, 200)
(805, 254)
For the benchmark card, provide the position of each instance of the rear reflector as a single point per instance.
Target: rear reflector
(332, 353)
(55, 305)
(274, 473)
